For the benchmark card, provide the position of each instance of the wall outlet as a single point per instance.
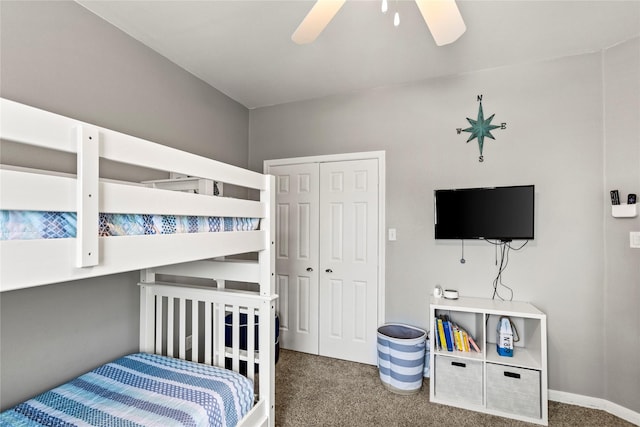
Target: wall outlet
(634, 239)
(188, 342)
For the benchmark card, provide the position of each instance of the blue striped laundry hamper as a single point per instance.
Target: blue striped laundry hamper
(401, 350)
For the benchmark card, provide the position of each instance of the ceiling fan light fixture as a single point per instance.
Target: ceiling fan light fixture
(316, 20)
(443, 19)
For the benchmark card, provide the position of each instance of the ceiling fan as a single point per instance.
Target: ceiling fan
(442, 17)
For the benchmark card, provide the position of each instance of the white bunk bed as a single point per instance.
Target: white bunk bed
(176, 320)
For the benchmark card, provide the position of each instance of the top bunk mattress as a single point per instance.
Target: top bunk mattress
(141, 390)
(28, 225)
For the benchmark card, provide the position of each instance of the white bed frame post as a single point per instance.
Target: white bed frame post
(147, 306)
(268, 278)
(266, 341)
(87, 196)
(266, 258)
(264, 414)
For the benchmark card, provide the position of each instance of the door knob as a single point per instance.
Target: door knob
(328, 270)
(309, 269)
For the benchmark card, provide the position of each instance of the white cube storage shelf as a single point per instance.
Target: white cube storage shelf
(513, 387)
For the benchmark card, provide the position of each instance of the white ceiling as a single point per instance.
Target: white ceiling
(244, 48)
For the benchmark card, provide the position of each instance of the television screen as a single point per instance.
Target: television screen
(501, 213)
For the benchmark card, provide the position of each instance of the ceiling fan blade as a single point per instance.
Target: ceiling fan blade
(316, 20)
(443, 19)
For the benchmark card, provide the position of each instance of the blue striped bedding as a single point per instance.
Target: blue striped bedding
(141, 390)
(26, 225)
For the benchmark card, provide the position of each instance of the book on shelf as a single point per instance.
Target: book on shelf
(451, 337)
(448, 335)
(473, 344)
(465, 340)
(456, 335)
(443, 341)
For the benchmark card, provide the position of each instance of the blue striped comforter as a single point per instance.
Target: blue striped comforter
(141, 390)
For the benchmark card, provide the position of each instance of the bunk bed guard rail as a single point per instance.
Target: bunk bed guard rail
(26, 263)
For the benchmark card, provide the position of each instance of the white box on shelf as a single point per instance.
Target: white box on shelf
(458, 380)
(513, 390)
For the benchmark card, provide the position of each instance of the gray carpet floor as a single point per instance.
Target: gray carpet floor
(319, 391)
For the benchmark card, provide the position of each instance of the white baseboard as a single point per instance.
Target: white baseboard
(596, 403)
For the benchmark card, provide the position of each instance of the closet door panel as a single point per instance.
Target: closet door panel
(348, 256)
(297, 230)
(335, 232)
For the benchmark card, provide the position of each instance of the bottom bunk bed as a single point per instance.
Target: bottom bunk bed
(141, 389)
(178, 378)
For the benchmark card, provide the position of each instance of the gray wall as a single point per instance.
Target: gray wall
(554, 139)
(621, 292)
(60, 57)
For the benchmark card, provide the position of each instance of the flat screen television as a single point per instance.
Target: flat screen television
(500, 213)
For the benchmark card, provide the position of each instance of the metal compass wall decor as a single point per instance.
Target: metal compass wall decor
(481, 128)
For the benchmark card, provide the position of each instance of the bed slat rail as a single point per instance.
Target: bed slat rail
(192, 322)
(235, 270)
(33, 191)
(118, 254)
(55, 132)
(39, 192)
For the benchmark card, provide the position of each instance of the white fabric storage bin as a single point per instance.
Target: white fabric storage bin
(401, 350)
(513, 390)
(458, 380)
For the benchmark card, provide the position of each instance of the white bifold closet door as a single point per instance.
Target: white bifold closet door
(297, 233)
(327, 257)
